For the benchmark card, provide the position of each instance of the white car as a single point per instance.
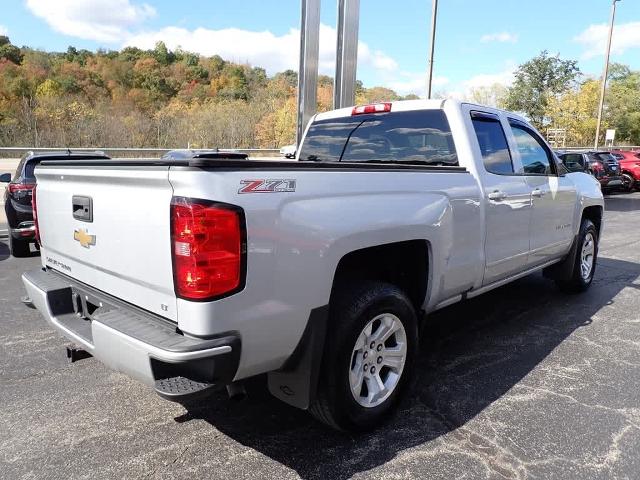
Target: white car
(288, 151)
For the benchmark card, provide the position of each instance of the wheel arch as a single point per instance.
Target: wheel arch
(404, 264)
(593, 213)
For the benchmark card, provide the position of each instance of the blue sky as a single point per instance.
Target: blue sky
(478, 42)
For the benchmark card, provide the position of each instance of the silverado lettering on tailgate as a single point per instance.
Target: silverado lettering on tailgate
(55, 263)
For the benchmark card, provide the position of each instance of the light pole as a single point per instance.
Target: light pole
(605, 73)
(434, 14)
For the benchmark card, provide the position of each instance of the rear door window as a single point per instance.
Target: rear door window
(536, 159)
(493, 143)
(412, 137)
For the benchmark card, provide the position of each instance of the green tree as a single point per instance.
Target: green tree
(162, 54)
(536, 81)
(622, 104)
(618, 71)
(8, 51)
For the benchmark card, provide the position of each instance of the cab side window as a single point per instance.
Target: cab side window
(493, 143)
(536, 159)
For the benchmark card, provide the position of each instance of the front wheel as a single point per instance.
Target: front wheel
(627, 182)
(584, 265)
(368, 360)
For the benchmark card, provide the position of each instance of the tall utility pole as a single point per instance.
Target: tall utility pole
(434, 14)
(346, 53)
(605, 73)
(308, 70)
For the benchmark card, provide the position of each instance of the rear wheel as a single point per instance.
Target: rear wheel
(584, 265)
(18, 247)
(368, 360)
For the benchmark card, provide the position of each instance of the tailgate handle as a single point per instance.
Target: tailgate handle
(82, 208)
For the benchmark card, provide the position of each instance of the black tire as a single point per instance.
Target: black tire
(350, 312)
(18, 248)
(577, 282)
(627, 181)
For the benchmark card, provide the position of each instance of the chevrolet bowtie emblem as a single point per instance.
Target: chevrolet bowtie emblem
(82, 236)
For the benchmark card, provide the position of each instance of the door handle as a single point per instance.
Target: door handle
(538, 193)
(497, 195)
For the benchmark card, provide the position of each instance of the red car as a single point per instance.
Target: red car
(629, 162)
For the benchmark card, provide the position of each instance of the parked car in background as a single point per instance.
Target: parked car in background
(17, 197)
(629, 162)
(600, 164)
(288, 151)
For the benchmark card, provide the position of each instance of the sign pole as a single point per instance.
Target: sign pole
(605, 73)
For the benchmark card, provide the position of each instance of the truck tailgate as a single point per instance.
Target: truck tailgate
(119, 237)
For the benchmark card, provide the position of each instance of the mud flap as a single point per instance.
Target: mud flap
(563, 271)
(296, 382)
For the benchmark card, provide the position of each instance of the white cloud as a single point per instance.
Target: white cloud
(594, 38)
(504, 77)
(4, 30)
(414, 82)
(265, 49)
(464, 90)
(501, 37)
(106, 21)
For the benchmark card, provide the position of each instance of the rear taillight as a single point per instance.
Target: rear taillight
(208, 247)
(20, 187)
(372, 108)
(34, 204)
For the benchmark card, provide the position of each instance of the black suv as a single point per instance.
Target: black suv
(600, 164)
(17, 197)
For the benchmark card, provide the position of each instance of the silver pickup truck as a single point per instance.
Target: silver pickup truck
(199, 272)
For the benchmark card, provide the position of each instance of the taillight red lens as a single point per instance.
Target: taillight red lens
(373, 108)
(20, 187)
(34, 204)
(207, 241)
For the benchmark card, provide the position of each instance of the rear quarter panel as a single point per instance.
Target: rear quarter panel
(295, 241)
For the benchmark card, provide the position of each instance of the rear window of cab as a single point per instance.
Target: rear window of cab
(410, 137)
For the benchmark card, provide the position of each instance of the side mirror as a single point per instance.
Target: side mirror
(5, 178)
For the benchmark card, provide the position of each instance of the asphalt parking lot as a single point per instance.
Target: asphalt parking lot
(523, 382)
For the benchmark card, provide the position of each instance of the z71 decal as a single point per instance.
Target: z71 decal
(267, 186)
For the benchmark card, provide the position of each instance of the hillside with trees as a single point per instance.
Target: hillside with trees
(170, 99)
(148, 98)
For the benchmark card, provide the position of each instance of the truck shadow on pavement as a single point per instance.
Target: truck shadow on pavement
(472, 353)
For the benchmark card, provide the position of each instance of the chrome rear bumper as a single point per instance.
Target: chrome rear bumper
(128, 339)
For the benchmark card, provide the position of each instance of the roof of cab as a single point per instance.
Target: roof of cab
(408, 105)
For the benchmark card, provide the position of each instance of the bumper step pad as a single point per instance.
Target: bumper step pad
(178, 389)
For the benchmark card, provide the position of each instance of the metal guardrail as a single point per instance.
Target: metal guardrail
(602, 147)
(15, 152)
